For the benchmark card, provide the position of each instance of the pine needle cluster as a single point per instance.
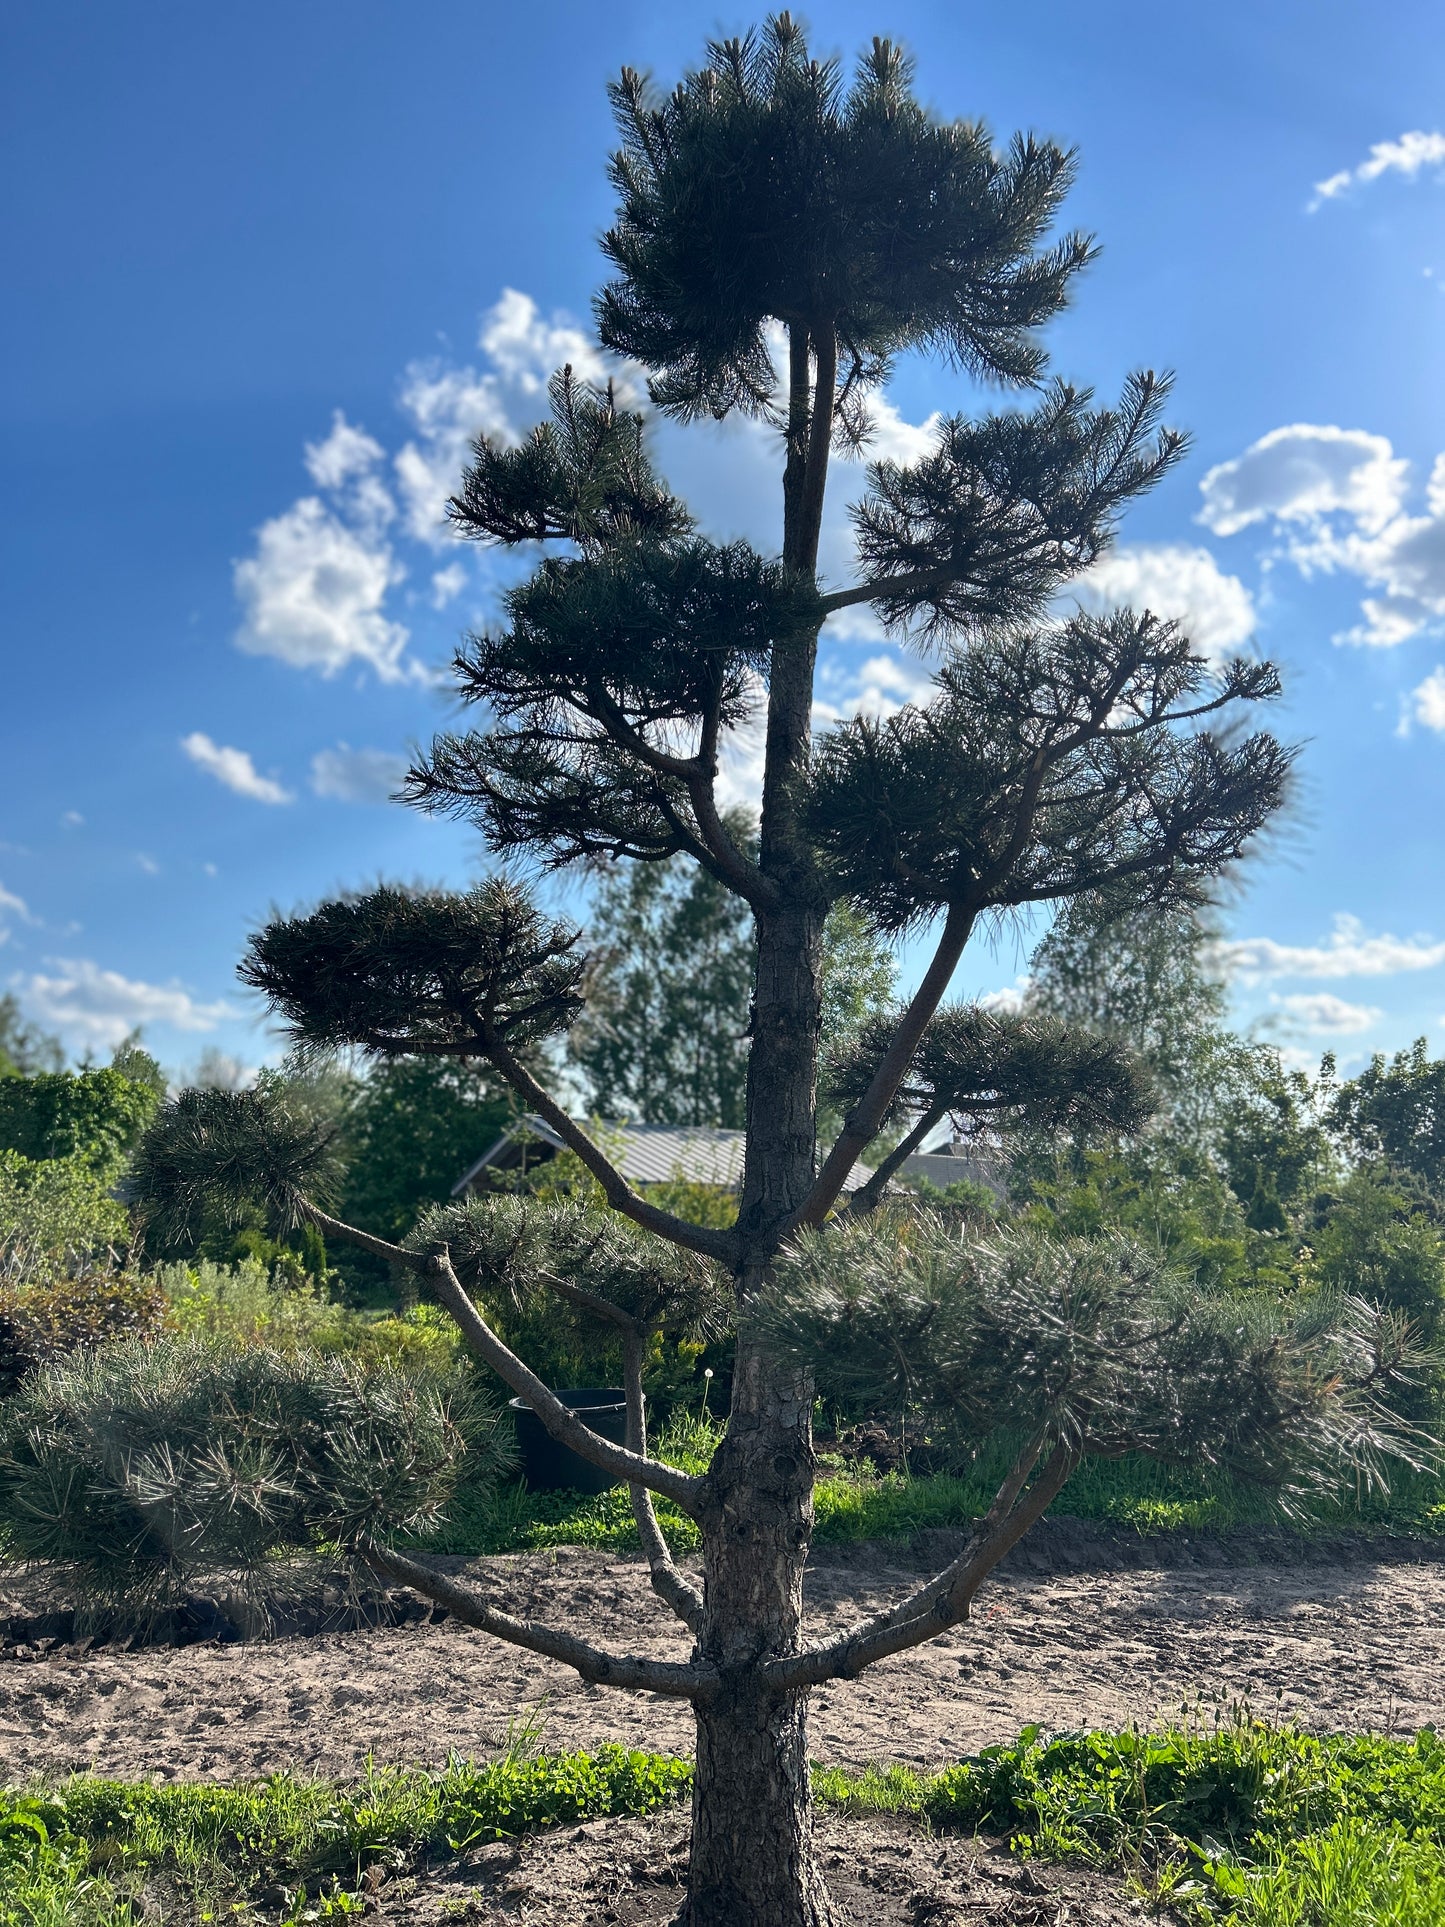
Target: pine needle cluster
(139, 1469)
(1091, 1344)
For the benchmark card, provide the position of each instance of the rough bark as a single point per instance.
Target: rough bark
(752, 1844)
(752, 1819)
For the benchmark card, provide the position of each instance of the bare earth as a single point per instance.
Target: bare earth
(1350, 1644)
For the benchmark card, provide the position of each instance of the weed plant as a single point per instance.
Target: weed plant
(1230, 1819)
(1226, 1819)
(105, 1853)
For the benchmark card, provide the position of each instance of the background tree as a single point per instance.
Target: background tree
(1394, 1113)
(765, 202)
(664, 1036)
(25, 1049)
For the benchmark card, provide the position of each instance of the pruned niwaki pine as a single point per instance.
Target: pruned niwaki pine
(782, 237)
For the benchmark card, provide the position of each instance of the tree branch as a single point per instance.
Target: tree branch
(945, 1600)
(871, 1195)
(865, 1119)
(667, 1582)
(890, 585)
(615, 1188)
(559, 1419)
(678, 1681)
(820, 442)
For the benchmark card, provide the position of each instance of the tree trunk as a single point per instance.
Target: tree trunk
(752, 1821)
(752, 1815)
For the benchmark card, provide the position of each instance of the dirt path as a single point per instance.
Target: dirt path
(1355, 1644)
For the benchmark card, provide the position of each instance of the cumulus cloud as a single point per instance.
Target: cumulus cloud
(1408, 155)
(313, 595)
(357, 775)
(345, 465)
(1336, 498)
(101, 1007)
(1302, 472)
(1173, 580)
(1426, 703)
(233, 768)
(1349, 952)
(1323, 1014)
(1010, 1000)
(447, 584)
(450, 406)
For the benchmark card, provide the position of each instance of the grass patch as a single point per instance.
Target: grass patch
(100, 1853)
(1263, 1826)
(1232, 1821)
(852, 1505)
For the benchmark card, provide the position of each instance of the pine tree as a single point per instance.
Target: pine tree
(767, 206)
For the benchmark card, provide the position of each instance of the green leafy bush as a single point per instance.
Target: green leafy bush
(95, 1116)
(139, 1467)
(55, 1215)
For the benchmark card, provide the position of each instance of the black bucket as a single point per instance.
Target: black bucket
(547, 1465)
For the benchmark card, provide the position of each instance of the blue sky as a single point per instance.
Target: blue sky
(268, 267)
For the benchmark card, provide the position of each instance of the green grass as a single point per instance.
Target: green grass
(1231, 1821)
(852, 1505)
(93, 1852)
(1241, 1821)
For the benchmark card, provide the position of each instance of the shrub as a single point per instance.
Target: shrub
(139, 1467)
(55, 1216)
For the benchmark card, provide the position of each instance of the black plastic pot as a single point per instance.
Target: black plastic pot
(550, 1467)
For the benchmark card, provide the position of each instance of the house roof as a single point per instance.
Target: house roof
(644, 1153)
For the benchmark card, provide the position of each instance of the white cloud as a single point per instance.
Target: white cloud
(101, 1007)
(527, 351)
(12, 906)
(313, 595)
(1348, 953)
(1321, 1013)
(345, 466)
(346, 453)
(72, 820)
(234, 768)
(1172, 580)
(1302, 472)
(145, 861)
(450, 407)
(1408, 156)
(895, 440)
(357, 775)
(1336, 497)
(447, 584)
(1427, 703)
(1010, 1000)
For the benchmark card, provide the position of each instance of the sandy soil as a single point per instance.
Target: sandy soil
(1356, 1642)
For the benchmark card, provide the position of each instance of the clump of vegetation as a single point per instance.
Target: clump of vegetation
(96, 1853)
(138, 1469)
(1262, 1824)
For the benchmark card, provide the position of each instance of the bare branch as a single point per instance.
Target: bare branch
(667, 1582)
(678, 1681)
(866, 1118)
(939, 1605)
(887, 586)
(563, 1423)
(871, 1195)
(615, 1188)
